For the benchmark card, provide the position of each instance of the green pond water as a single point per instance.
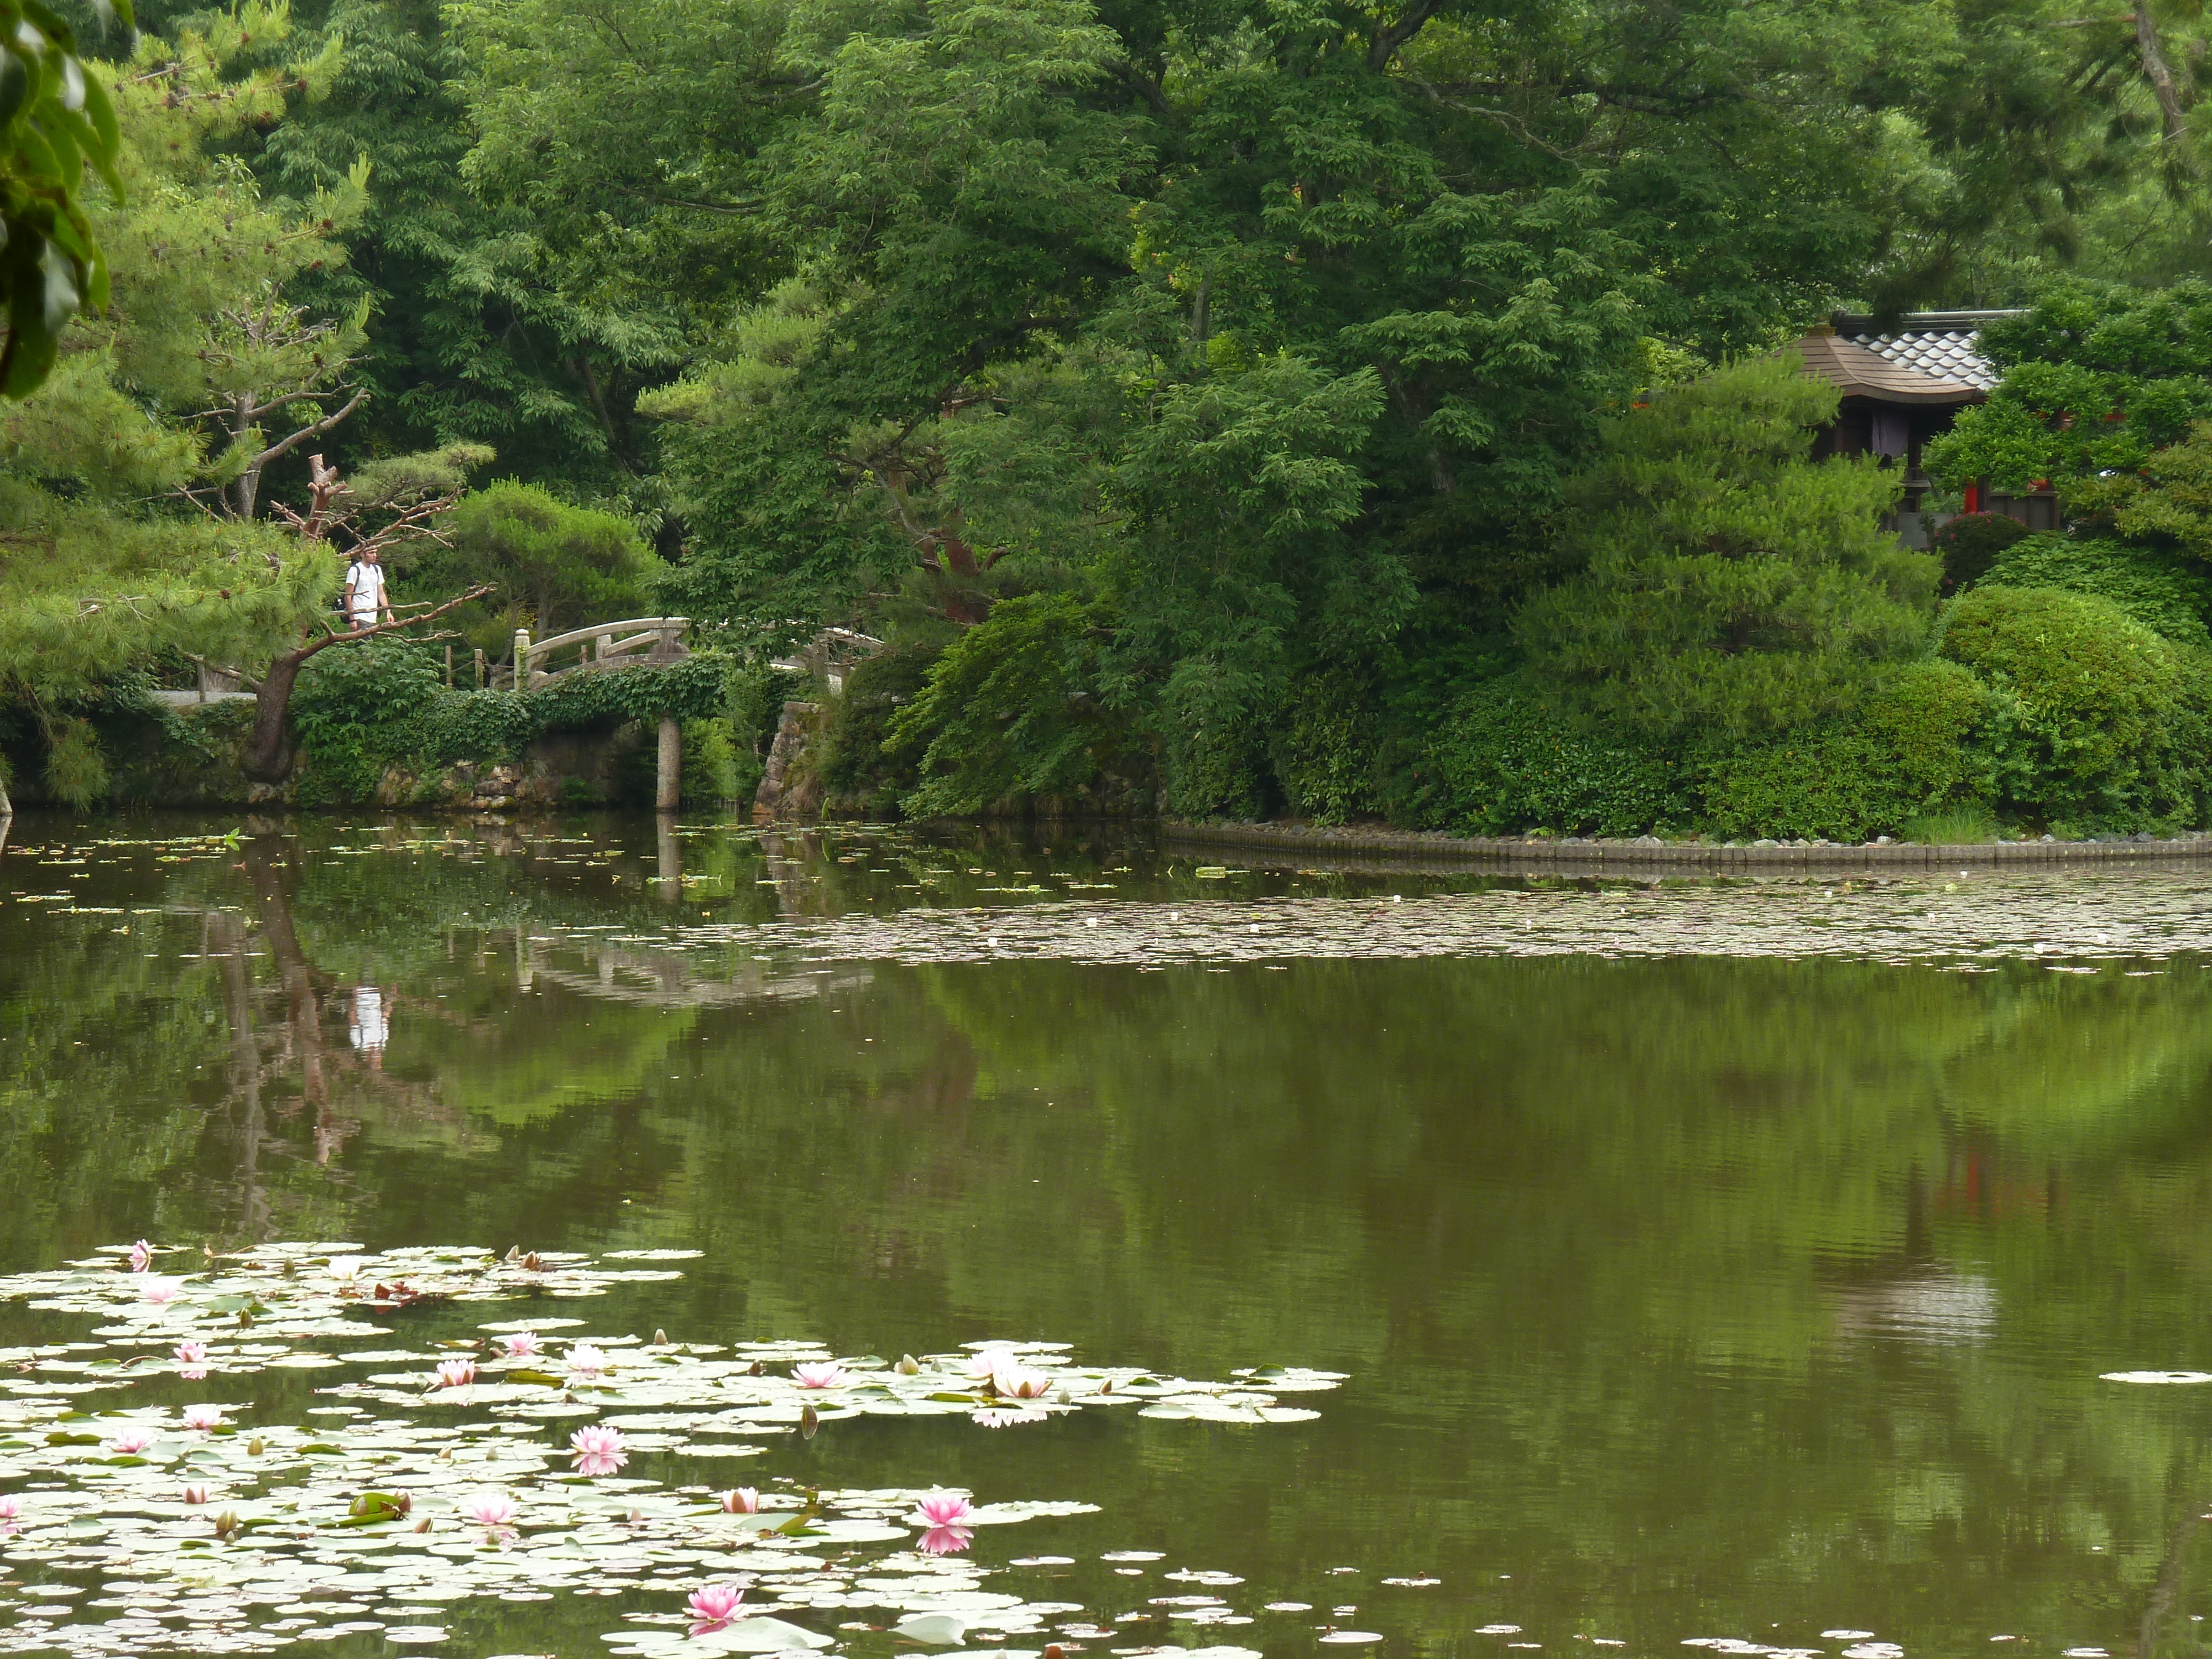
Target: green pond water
(1734, 1264)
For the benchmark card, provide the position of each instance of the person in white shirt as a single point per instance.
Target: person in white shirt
(365, 592)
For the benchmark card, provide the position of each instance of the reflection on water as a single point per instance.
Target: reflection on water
(1685, 1295)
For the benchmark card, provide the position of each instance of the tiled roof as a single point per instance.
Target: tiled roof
(1942, 343)
(1857, 372)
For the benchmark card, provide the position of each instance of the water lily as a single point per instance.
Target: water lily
(495, 1511)
(598, 1450)
(129, 1442)
(160, 1292)
(456, 1373)
(744, 1501)
(945, 1509)
(142, 1256)
(984, 1362)
(191, 1353)
(825, 1374)
(1017, 1381)
(345, 1268)
(202, 1418)
(11, 1511)
(196, 1494)
(715, 1606)
(946, 1540)
(521, 1345)
(587, 1359)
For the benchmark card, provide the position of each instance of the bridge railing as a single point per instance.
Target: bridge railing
(640, 640)
(833, 654)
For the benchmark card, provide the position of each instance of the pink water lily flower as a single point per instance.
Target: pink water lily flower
(129, 1442)
(946, 1540)
(495, 1511)
(522, 1345)
(598, 1450)
(945, 1509)
(196, 1494)
(985, 1362)
(191, 1353)
(160, 1292)
(825, 1374)
(1017, 1381)
(714, 1606)
(744, 1501)
(11, 1511)
(202, 1418)
(456, 1373)
(142, 1256)
(587, 1359)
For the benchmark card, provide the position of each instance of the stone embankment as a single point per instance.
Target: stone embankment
(1643, 852)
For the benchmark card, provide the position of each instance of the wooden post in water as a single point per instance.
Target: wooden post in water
(522, 660)
(668, 789)
(449, 668)
(480, 668)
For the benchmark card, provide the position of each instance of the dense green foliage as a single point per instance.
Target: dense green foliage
(1969, 543)
(1727, 586)
(383, 703)
(1216, 399)
(553, 566)
(2167, 593)
(2099, 719)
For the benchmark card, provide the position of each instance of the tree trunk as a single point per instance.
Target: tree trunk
(2169, 97)
(245, 489)
(269, 751)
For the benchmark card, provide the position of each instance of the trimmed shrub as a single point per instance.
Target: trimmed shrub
(1906, 756)
(2094, 718)
(1969, 543)
(2167, 593)
(1925, 716)
(1508, 757)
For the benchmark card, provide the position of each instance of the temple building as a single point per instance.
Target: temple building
(1903, 384)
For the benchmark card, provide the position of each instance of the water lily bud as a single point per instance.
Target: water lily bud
(907, 1365)
(255, 1447)
(659, 1338)
(809, 1420)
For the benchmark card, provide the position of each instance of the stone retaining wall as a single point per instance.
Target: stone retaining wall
(1648, 851)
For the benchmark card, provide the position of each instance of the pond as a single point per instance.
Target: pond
(1276, 1260)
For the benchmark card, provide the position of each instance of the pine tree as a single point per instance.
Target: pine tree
(1728, 584)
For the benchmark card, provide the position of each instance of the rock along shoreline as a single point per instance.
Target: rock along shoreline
(1644, 852)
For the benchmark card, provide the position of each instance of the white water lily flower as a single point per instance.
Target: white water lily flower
(1017, 1381)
